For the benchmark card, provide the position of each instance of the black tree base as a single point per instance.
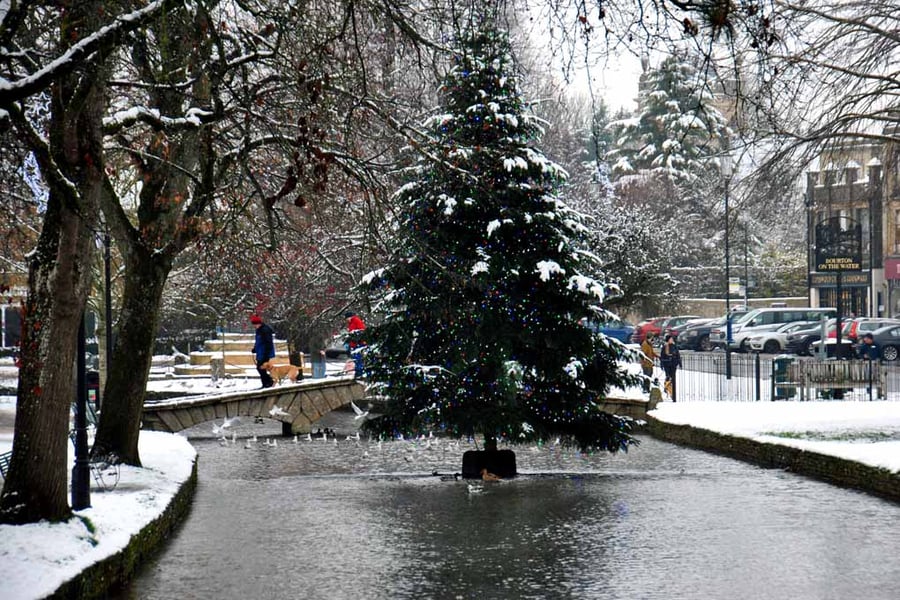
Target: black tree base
(499, 462)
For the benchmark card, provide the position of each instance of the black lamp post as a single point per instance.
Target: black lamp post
(726, 173)
(81, 484)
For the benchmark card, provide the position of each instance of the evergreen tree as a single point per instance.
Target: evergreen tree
(483, 301)
(678, 130)
(664, 161)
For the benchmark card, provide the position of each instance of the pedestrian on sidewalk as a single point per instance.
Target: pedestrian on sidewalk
(647, 360)
(263, 349)
(670, 360)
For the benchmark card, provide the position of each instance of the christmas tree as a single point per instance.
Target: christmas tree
(485, 301)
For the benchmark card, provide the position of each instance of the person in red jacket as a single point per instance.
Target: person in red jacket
(354, 325)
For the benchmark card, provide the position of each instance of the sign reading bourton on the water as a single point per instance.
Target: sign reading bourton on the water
(838, 245)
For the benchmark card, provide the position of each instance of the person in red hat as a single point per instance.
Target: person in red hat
(263, 348)
(355, 325)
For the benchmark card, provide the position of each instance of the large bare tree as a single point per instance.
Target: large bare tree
(71, 160)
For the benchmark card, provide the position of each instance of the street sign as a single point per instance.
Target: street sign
(838, 245)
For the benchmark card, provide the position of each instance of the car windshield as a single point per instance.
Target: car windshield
(745, 317)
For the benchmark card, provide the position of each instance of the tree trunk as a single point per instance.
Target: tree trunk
(58, 287)
(126, 383)
(37, 483)
(167, 224)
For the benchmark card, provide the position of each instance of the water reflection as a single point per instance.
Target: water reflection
(325, 520)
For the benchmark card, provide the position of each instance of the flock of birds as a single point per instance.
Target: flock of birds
(420, 449)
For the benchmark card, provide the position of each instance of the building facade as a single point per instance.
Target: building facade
(858, 186)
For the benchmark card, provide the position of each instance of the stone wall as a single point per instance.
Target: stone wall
(831, 469)
(97, 580)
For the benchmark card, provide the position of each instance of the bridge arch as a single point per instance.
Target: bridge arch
(298, 405)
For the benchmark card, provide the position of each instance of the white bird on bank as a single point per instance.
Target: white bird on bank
(277, 411)
(308, 437)
(360, 413)
(247, 445)
(295, 439)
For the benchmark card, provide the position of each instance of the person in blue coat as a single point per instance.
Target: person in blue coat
(867, 349)
(263, 349)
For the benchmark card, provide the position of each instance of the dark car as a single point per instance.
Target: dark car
(337, 348)
(668, 327)
(887, 339)
(696, 336)
(800, 342)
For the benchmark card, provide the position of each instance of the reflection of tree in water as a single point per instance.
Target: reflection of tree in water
(503, 518)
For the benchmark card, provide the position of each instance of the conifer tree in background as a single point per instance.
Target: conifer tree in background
(678, 130)
(482, 304)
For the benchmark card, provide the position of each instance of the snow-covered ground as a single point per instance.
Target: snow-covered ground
(35, 559)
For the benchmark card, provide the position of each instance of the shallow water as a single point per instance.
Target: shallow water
(352, 519)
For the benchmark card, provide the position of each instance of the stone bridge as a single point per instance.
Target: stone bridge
(300, 404)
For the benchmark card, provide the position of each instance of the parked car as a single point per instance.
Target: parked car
(679, 329)
(615, 328)
(888, 341)
(800, 342)
(696, 336)
(763, 319)
(669, 326)
(647, 326)
(621, 330)
(772, 342)
(853, 329)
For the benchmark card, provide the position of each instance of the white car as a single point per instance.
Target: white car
(772, 342)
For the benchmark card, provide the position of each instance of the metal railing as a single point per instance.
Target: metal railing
(761, 378)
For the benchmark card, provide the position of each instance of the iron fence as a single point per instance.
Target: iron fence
(756, 378)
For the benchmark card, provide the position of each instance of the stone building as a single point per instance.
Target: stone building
(857, 183)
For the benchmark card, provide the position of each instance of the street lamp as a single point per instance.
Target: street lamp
(725, 163)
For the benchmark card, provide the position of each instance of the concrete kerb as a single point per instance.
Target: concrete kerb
(824, 467)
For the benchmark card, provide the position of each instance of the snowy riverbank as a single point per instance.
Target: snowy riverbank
(35, 560)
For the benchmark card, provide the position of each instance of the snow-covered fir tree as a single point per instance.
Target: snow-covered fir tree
(678, 129)
(482, 304)
(665, 160)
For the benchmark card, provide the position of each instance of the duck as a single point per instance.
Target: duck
(488, 476)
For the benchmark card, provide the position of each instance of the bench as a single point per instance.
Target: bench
(834, 374)
(104, 469)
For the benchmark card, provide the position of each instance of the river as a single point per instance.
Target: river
(347, 519)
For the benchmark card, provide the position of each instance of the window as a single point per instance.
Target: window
(896, 238)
